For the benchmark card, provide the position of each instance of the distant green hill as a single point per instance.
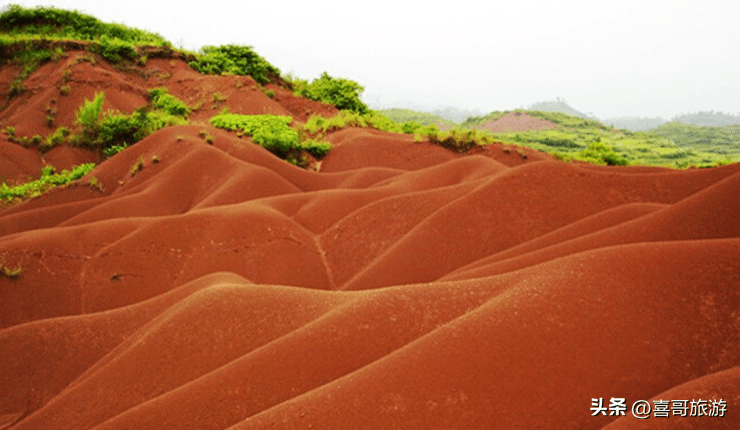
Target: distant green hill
(557, 105)
(634, 123)
(455, 115)
(707, 119)
(589, 140)
(407, 115)
(559, 118)
(722, 140)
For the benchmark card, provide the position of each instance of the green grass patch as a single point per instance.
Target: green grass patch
(456, 139)
(273, 133)
(49, 179)
(321, 125)
(57, 23)
(459, 139)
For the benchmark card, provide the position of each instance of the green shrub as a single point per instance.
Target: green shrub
(16, 88)
(320, 125)
(300, 161)
(116, 129)
(234, 60)
(88, 115)
(114, 149)
(119, 130)
(48, 179)
(11, 273)
(10, 131)
(161, 99)
(458, 140)
(137, 166)
(54, 139)
(344, 94)
(600, 153)
(269, 131)
(316, 148)
(95, 184)
(154, 120)
(218, 98)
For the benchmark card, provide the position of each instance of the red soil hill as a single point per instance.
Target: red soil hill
(402, 286)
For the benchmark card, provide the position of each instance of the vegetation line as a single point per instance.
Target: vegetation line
(49, 179)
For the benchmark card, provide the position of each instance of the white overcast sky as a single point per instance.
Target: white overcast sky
(609, 58)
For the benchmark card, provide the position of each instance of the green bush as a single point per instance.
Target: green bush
(269, 131)
(272, 133)
(317, 124)
(119, 129)
(344, 94)
(114, 149)
(458, 140)
(164, 101)
(235, 60)
(88, 115)
(48, 179)
(54, 139)
(11, 273)
(316, 148)
(153, 120)
(600, 153)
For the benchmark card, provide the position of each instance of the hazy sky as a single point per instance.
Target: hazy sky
(609, 58)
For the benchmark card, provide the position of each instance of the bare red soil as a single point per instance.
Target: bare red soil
(402, 286)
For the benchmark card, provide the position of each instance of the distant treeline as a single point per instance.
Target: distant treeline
(706, 119)
(407, 115)
(723, 139)
(634, 123)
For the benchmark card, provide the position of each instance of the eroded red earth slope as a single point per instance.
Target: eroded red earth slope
(401, 286)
